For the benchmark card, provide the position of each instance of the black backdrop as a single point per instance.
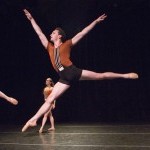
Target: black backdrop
(119, 44)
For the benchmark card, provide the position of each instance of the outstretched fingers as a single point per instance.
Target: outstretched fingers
(101, 18)
(29, 16)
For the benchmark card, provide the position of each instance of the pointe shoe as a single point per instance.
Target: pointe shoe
(27, 125)
(13, 101)
(133, 76)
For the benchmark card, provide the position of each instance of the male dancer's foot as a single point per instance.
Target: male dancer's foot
(131, 76)
(29, 124)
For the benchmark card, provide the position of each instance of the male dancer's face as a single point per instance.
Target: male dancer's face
(55, 36)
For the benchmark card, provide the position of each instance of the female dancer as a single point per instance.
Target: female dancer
(47, 91)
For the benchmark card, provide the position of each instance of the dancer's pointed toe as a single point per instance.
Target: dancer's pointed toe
(27, 125)
(133, 76)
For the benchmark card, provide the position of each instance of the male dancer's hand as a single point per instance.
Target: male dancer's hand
(29, 16)
(101, 18)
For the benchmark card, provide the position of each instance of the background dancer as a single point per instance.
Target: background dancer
(47, 91)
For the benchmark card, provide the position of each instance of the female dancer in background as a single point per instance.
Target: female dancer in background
(47, 91)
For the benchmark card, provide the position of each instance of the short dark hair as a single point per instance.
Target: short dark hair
(62, 33)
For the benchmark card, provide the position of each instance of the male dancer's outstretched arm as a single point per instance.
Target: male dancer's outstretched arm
(37, 29)
(87, 29)
(75, 39)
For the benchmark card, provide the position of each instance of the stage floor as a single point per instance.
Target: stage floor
(77, 137)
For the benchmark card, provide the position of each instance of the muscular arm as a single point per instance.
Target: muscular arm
(37, 29)
(81, 34)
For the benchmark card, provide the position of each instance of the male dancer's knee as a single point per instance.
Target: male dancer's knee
(106, 75)
(50, 100)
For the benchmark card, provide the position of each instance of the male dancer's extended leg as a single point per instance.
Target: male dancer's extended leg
(57, 91)
(90, 75)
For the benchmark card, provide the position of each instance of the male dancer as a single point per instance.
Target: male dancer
(59, 53)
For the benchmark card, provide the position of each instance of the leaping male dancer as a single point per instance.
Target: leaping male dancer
(59, 52)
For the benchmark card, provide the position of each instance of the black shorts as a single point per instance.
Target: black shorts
(70, 74)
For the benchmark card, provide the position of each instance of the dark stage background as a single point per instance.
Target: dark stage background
(120, 44)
